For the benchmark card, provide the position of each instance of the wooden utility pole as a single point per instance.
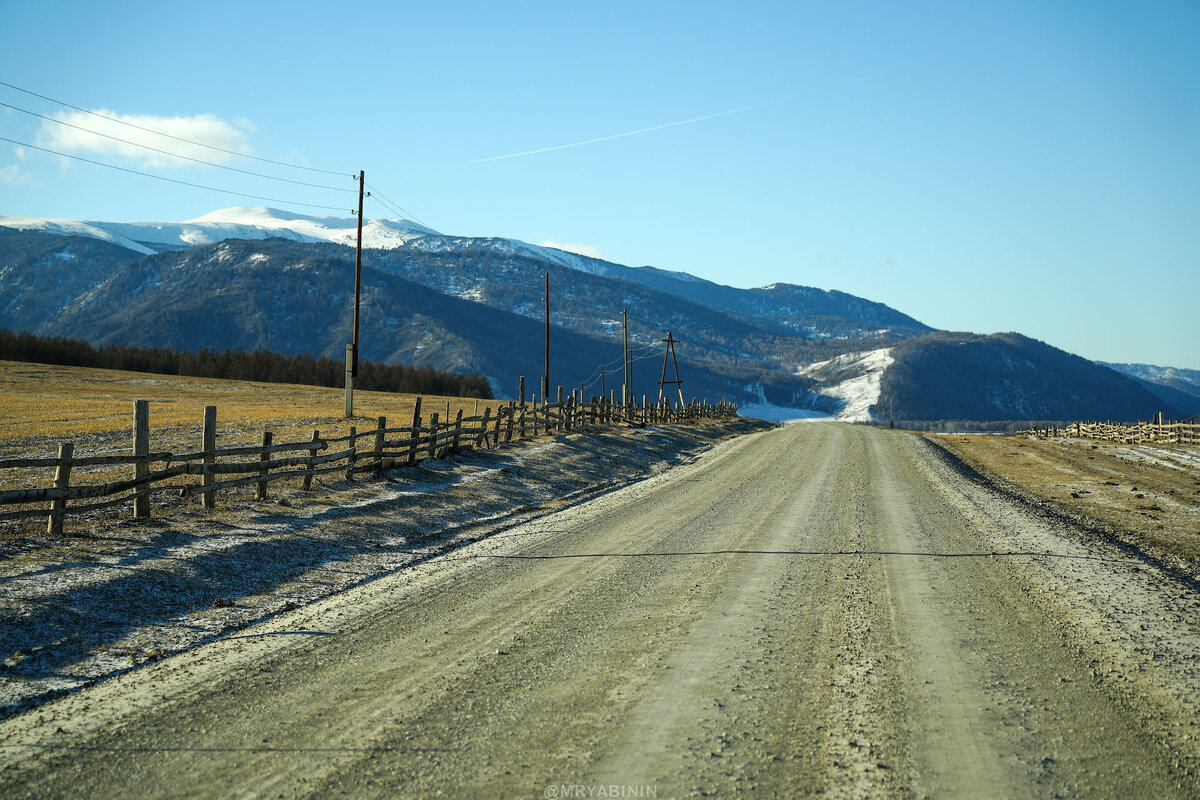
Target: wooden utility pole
(352, 348)
(546, 374)
(670, 351)
(603, 391)
(627, 389)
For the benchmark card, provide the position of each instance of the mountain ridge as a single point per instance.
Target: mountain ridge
(287, 287)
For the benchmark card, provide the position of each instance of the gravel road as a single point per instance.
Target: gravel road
(821, 609)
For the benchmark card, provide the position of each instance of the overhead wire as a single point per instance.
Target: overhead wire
(394, 207)
(172, 136)
(170, 180)
(636, 354)
(177, 155)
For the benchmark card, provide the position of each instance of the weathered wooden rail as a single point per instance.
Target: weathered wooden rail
(372, 450)
(1156, 431)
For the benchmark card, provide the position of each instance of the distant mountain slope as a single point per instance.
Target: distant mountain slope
(781, 309)
(261, 278)
(1006, 377)
(809, 312)
(39, 273)
(1185, 402)
(1171, 380)
(275, 295)
(1185, 380)
(1170, 385)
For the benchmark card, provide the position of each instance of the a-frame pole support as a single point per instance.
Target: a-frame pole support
(670, 353)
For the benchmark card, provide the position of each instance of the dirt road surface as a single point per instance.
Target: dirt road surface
(818, 610)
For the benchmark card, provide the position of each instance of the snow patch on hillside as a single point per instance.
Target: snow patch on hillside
(70, 227)
(854, 379)
(565, 258)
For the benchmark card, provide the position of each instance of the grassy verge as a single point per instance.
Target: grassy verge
(1146, 496)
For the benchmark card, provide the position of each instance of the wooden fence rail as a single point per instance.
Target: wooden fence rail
(1156, 431)
(370, 450)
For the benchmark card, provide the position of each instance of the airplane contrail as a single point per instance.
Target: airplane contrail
(665, 125)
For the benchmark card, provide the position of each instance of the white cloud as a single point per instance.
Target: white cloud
(591, 251)
(14, 176)
(82, 140)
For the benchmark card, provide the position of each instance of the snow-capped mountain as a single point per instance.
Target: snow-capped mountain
(230, 223)
(254, 278)
(251, 223)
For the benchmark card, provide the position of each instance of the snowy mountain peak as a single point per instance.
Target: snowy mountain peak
(238, 222)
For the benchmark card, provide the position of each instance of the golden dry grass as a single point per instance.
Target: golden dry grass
(43, 405)
(1150, 494)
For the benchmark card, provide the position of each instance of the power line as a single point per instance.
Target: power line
(170, 180)
(177, 138)
(395, 208)
(176, 155)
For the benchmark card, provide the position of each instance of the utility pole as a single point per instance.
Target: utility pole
(352, 348)
(546, 374)
(627, 388)
(670, 351)
(603, 391)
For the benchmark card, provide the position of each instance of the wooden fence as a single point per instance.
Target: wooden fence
(373, 450)
(1157, 431)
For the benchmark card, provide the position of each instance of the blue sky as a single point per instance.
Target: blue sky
(1027, 166)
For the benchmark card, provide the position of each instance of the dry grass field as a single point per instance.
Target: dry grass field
(1147, 496)
(42, 405)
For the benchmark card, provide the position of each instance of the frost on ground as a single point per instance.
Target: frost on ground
(81, 608)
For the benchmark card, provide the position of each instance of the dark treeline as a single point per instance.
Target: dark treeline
(260, 365)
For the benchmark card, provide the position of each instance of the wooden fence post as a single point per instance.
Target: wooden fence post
(141, 447)
(312, 453)
(481, 438)
(263, 459)
(508, 430)
(433, 426)
(208, 499)
(62, 480)
(457, 432)
(353, 452)
(379, 442)
(416, 432)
